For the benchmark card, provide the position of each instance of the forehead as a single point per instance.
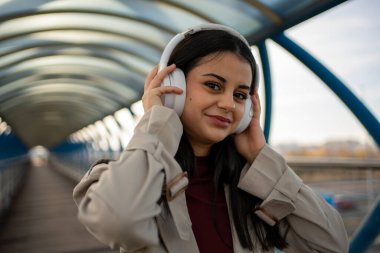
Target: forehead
(218, 56)
(227, 64)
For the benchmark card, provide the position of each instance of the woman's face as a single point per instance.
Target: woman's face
(217, 88)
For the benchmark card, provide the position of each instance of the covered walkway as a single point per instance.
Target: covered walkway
(72, 75)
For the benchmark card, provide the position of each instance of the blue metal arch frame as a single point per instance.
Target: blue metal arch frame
(366, 234)
(268, 88)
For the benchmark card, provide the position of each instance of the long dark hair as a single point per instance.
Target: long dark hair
(226, 160)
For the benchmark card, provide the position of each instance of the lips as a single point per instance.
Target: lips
(221, 118)
(219, 121)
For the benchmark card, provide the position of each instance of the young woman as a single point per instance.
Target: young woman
(190, 182)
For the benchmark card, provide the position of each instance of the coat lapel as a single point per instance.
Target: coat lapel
(236, 243)
(170, 235)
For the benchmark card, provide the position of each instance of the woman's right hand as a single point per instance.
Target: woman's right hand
(153, 89)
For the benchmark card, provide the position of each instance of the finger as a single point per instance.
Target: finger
(168, 90)
(150, 76)
(256, 104)
(157, 80)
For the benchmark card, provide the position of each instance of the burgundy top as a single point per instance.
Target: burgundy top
(211, 224)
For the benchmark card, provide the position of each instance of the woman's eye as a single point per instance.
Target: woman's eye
(213, 86)
(241, 96)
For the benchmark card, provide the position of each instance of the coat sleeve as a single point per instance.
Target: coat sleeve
(118, 201)
(311, 224)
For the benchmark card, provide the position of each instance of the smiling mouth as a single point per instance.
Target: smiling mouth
(223, 119)
(219, 121)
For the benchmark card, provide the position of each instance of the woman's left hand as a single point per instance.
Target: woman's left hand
(250, 142)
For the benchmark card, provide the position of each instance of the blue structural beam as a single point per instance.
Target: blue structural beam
(368, 230)
(368, 120)
(67, 147)
(11, 146)
(268, 88)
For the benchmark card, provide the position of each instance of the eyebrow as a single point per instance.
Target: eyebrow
(223, 80)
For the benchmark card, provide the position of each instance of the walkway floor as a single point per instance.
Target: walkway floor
(43, 218)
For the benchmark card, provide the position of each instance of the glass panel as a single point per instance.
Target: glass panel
(85, 21)
(286, 8)
(138, 63)
(233, 13)
(103, 134)
(152, 11)
(77, 64)
(72, 38)
(114, 133)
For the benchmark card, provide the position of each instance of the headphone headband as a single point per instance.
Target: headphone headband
(211, 26)
(203, 27)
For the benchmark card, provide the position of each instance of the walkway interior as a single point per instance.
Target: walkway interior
(43, 219)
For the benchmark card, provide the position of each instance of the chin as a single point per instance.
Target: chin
(216, 136)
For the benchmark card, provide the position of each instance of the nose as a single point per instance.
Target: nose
(227, 102)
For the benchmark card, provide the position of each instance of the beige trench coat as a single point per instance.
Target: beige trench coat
(119, 203)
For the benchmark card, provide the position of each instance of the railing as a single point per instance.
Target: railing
(75, 164)
(12, 171)
(353, 187)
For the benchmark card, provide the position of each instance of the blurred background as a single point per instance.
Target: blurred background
(71, 79)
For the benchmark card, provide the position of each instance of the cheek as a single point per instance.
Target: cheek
(188, 103)
(239, 112)
(188, 109)
(187, 119)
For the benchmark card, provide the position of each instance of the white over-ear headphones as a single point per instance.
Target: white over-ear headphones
(177, 77)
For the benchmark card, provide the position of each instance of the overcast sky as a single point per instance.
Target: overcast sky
(347, 40)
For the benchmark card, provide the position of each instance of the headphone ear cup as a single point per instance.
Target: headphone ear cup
(175, 101)
(247, 117)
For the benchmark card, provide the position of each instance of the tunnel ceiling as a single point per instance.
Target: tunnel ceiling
(66, 64)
